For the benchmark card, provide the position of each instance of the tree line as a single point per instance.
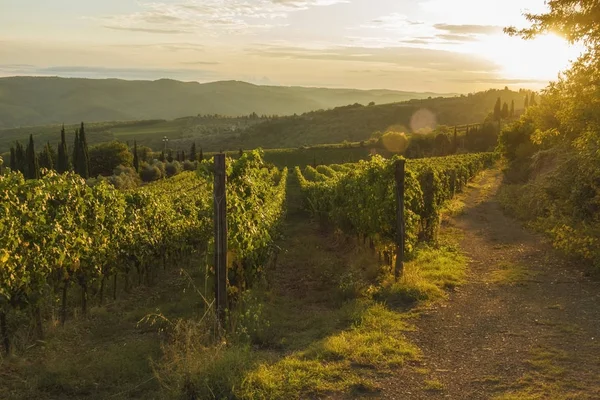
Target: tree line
(504, 111)
(102, 160)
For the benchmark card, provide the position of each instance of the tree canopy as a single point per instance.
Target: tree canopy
(553, 149)
(576, 20)
(105, 157)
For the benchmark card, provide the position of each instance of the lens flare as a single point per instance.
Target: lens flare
(423, 121)
(396, 142)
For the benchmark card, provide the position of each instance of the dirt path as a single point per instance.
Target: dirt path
(526, 326)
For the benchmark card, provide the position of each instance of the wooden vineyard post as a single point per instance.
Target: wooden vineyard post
(220, 226)
(400, 225)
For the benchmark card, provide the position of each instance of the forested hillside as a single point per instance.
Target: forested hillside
(27, 101)
(353, 123)
(358, 123)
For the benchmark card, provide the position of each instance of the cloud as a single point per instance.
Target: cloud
(214, 17)
(411, 58)
(98, 72)
(419, 41)
(440, 39)
(16, 66)
(304, 4)
(469, 29)
(147, 30)
(394, 22)
(456, 38)
(421, 34)
(501, 81)
(17, 69)
(200, 63)
(173, 47)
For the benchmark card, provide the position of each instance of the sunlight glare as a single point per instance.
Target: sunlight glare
(538, 59)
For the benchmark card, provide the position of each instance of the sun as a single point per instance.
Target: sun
(541, 58)
(538, 60)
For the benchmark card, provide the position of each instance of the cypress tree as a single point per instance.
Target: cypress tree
(182, 155)
(13, 160)
(201, 157)
(467, 143)
(20, 158)
(76, 152)
(526, 102)
(170, 156)
(51, 155)
(498, 110)
(136, 160)
(193, 155)
(84, 159)
(505, 111)
(532, 101)
(32, 170)
(512, 109)
(162, 156)
(47, 157)
(455, 141)
(62, 163)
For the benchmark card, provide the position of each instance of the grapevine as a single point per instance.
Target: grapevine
(58, 232)
(359, 198)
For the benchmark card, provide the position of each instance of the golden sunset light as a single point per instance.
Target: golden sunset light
(299, 199)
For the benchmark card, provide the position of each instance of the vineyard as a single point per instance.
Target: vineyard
(360, 198)
(113, 266)
(57, 234)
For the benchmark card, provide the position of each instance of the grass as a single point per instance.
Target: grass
(294, 378)
(373, 342)
(105, 355)
(81, 360)
(426, 278)
(322, 338)
(455, 207)
(334, 364)
(509, 273)
(434, 386)
(352, 344)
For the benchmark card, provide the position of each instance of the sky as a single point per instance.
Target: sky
(440, 46)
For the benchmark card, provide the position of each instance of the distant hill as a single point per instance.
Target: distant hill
(356, 123)
(353, 123)
(30, 101)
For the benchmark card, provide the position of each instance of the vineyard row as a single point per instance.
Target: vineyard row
(57, 232)
(361, 199)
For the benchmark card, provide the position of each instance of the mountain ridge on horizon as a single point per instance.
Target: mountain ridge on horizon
(35, 100)
(236, 81)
